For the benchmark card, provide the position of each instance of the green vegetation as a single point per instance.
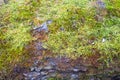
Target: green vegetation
(85, 29)
(15, 30)
(78, 28)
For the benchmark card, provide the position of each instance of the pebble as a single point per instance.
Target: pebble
(38, 69)
(80, 69)
(36, 62)
(32, 68)
(92, 78)
(51, 71)
(53, 74)
(31, 74)
(44, 73)
(48, 67)
(52, 63)
(45, 78)
(74, 76)
(76, 70)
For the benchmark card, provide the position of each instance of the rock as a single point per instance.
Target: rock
(53, 74)
(74, 76)
(51, 71)
(32, 68)
(48, 67)
(31, 74)
(52, 63)
(38, 78)
(43, 27)
(117, 77)
(33, 78)
(92, 78)
(45, 78)
(38, 69)
(36, 62)
(44, 73)
(76, 70)
(80, 69)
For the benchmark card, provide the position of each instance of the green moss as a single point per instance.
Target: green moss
(83, 34)
(77, 29)
(15, 31)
